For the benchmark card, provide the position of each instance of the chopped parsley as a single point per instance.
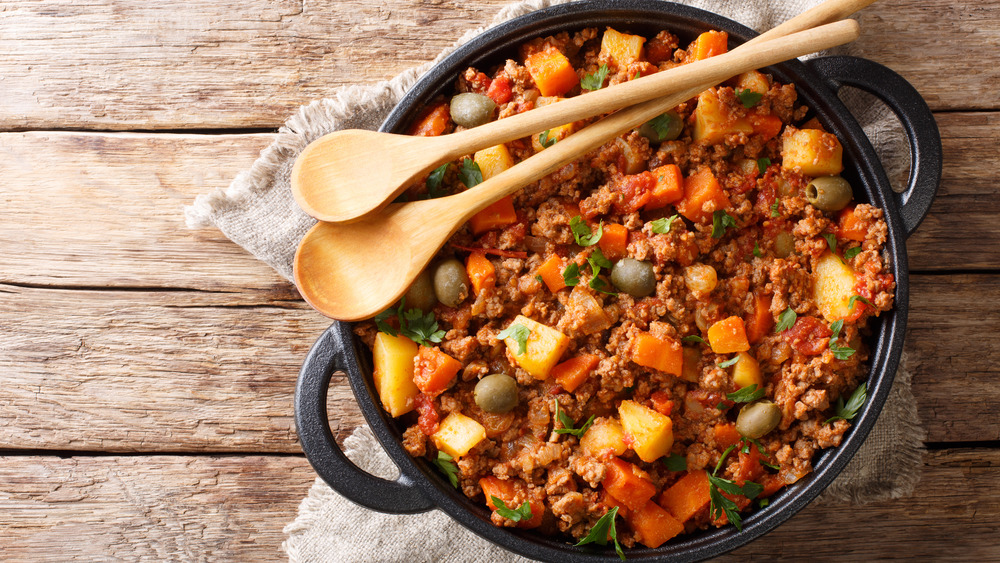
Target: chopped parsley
(785, 320)
(747, 394)
(762, 164)
(597, 260)
(519, 333)
(662, 226)
(582, 233)
(604, 528)
(831, 241)
(447, 466)
(720, 222)
(850, 410)
(469, 173)
(571, 275)
(850, 302)
(539, 278)
(720, 504)
(545, 140)
(839, 352)
(774, 210)
(748, 98)
(595, 81)
(764, 502)
(676, 462)
(756, 250)
(434, 181)
(850, 253)
(414, 324)
(518, 514)
(729, 362)
(747, 442)
(694, 338)
(568, 423)
(662, 124)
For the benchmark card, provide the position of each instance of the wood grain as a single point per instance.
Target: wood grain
(233, 508)
(251, 64)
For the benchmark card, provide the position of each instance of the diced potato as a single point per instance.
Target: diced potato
(555, 134)
(746, 372)
(651, 432)
(393, 358)
(621, 48)
(605, 435)
(545, 346)
(812, 152)
(833, 286)
(690, 371)
(584, 312)
(457, 434)
(493, 160)
(713, 120)
(754, 81)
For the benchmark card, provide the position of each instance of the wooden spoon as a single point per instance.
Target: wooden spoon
(353, 271)
(335, 178)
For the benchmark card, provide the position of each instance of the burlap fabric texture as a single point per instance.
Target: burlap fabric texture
(258, 213)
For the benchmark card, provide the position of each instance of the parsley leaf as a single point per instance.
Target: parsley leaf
(756, 250)
(567, 423)
(694, 338)
(602, 529)
(662, 226)
(850, 302)
(772, 466)
(519, 333)
(383, 326)
(774, 210)
(447, 466)
(720, 504)
(762, 164)
(764, 502)
(850, 253)
(785, 320)
(539, 278)
(571, 275)
(598, 261)
(545, 140)
(839, 352)
(748, 98)
(434, 181)
(720, 222)
(583, 234)
(850, 410)
(747, 394)
(662, 124)
(729, 362)
(831, 241)
(420, 327)
(522, 512)
(676, 462)
(747, 442)
(469, 173)
(595, 81)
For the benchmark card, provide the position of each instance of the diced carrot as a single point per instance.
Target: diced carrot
(702, 196)
(629, 484)
(851, 228)
(749, 468)
(772, 484)
(482, 274)
(653, 525)
(551, 271)
(507, 491)
(726, 434)
(433, 370)
(661, 354)
(552, 72)
(499, 214)
(709, 44)
(727, 336)
(614, 242)
(433, 122)
(621, 48)
(766, 125)
(611, 502)
(574, 371)
(687, 497)
(760, 322)
(669, 186)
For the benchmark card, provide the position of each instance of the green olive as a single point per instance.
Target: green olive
(757, 419)
(829, 193)
(451, 282)
(634, 277)
(421, 293)
(666, 127)
(472, 110)
(496, 393)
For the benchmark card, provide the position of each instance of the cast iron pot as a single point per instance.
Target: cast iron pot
(421, 487)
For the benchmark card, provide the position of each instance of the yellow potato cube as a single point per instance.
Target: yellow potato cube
(713, 121)
(493, 160)
(746, 372)
(691, 370)
(833, 285)
(605, 435)
(651, 432)
(552, 136)
(621, 48)
(812, 152)
(753, 81)
(393, 359)
(457, 434)
(545, 345)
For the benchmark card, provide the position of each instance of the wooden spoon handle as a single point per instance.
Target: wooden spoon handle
(827, 12)
(468, 203)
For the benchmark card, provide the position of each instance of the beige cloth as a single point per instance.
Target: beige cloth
(257, 212)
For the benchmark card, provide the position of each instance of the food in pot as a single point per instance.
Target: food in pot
(661, 334)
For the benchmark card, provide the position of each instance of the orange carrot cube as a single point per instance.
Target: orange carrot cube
(433, 370)
(702, 196)
(661, 354)
(653, 525)
(614, 242)
(709, 44)
(669, 186)
(629, 484)
(552, 72)
(551, 272)
(728, 335)
(495, 216)
(574, 371)
(687, 497)
(433, 122)
(481, 272)
(760, 321)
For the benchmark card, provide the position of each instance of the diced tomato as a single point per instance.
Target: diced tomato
(433, 370)
(662, 403)
(480, 83)
(499, 90)
(634, 190)
(809, 336)
(428, 419)
(749, 468)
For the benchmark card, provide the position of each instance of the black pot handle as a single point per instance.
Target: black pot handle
(330, 354)
(918, 123)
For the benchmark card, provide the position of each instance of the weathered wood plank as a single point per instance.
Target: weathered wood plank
(199, 371)
(176, 507)
(250, 64)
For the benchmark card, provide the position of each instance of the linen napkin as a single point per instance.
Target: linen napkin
(258, 213)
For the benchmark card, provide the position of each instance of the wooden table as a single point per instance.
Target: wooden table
(147, 370)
